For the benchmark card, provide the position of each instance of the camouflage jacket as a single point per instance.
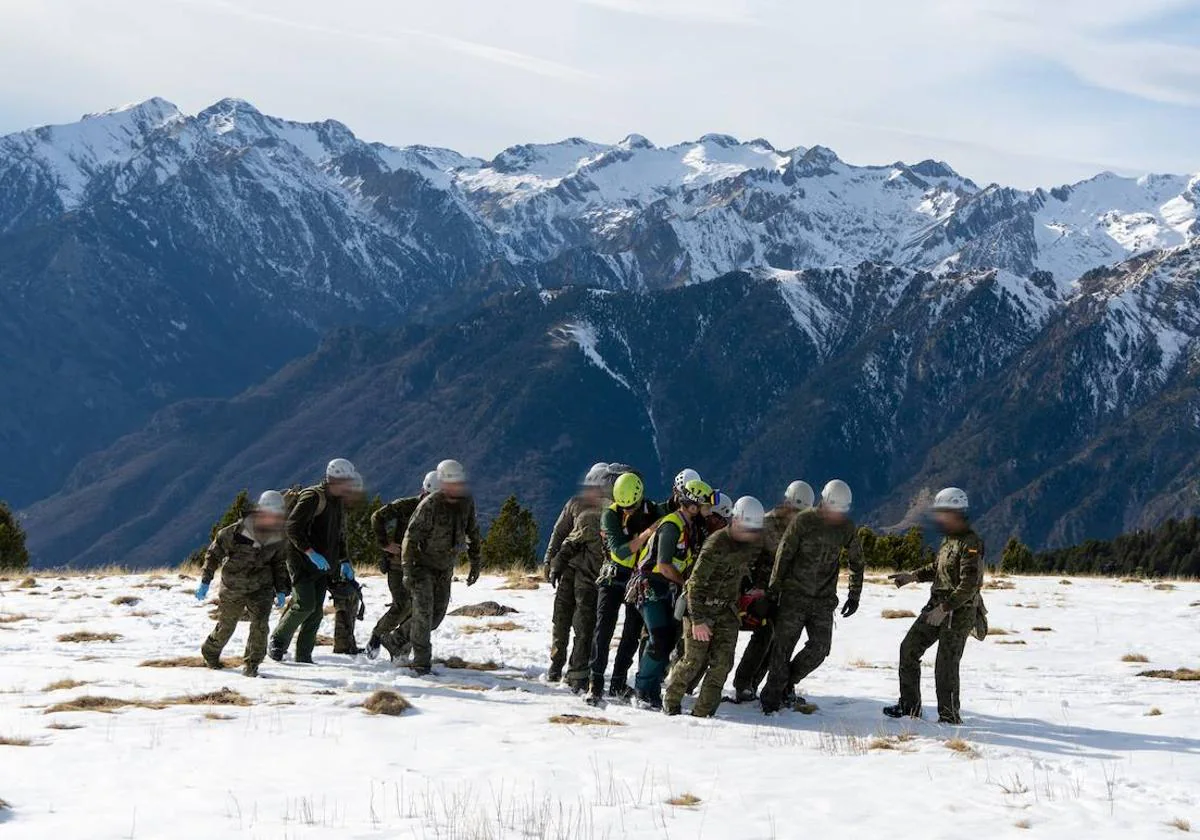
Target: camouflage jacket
(563, 527)
(808, 559)
(774, 524)
(957, 573)
(321, 527)
(399, 511)
(246, 564)
(716, 581)
(584, 546)
(439, 531)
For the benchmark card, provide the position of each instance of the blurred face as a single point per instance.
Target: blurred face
(592, 494)
(743, 534)
(341, 487)
(949, 521)
(832, 516)
(455, 489)
(265, 521)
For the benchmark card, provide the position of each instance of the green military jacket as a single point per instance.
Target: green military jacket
(439, 531)
(774, 525)
(584, 546)
(316, 521)
(247, 563)
(399, 512)
(716, 581)
(808, 559)
(957, 573)
(563, 527)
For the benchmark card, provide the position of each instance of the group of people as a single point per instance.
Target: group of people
(685, 576)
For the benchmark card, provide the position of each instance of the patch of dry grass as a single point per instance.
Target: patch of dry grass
(218, 716)
(898, 614)
(1131, 580)
(1154, 712)
(385, 702)
(1042, 629)
(12, 618)
(1180, 824)
(324, 641)
(523, 584)
(1134, 657)
(806, 708)
(126, 601)
(685, 800)
(999, 583)
(4, 806)
(65, 727)
(467, 686)
(1165, 587)
(1021, 606)
(1065, 582)
(62, 685)
(584, 720)
(190, 662)
(499, 626)
(460, 664)
(1023, 824)
(89, 636)
(154, 584)
(963, 747)
(14, 741)
(92, 703)
(220, 697)
(999, 631)
(1011, 642)
(1179, 674)
(484, 609)
(27, 583)
(143, 613)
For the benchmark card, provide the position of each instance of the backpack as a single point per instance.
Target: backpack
(292, 495)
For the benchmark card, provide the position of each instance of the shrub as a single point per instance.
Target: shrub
(14, 556)
(511, 540)
(385, 702)
(584, 720)
(898, 614)
(89, 636)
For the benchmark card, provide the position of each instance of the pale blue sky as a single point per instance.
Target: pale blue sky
(1029, 92)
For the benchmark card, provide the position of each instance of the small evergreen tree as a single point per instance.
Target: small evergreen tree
(1016, 557)
(14, 556)
(236, 510)
(361, 544)
(511, 541)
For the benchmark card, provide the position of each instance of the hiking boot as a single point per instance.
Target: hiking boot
(211, 661)
(672, 711)
(250, 669)
(577, 686)
(647, 702)
(421, 670)
(898, 711)
(596, 692)
(620, 690)
(953, 721)
(373, 645)
(352, 650)
(554, 674)
(744, 695)
(276, 652)
(304, 660)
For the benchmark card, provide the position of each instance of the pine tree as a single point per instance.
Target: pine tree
(1016, 557)
(361, 544)
(236, 510)
(14, 556)
(511, 541)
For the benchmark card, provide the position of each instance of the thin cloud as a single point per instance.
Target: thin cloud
(713, 11)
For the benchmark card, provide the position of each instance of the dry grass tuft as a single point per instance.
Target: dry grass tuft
(384, 702)
(13, 741)
(1194, 604)
(499, 626)
(1023, 824)
(89, 636)
(485, 609)
(1131, 580)
(65, 727)
(995, 583)
(11, 618)
(61, 685)
(1043, 629)
(460, 664)
(806, 708)
(467, 686)
(27, 583)
(898, 614)
(523, 584)
(685, 800)
(1154, 712)
(93, 703)
(190, 662)
(143, 613)
(1165, 587)
(584, 720)
(324, 640)
(220, 697)
(4, 806)
(999, 631)
(126, 601)
(153, 584)
(962, 747)
(1134, 657)
(1179, 674)
(1180, 823)
(1011, 642)
(218, 716)
(1065, 582)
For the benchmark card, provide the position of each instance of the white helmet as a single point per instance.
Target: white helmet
(431, 483)
(952, 498)
(748, 512)
(837, 496)
(340, 469)
(271, 501)
(597, 476)
(451, 472)
(800, 495)
(685, 475)
(722, 505)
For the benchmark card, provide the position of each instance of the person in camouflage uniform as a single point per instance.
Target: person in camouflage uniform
(316, 535)
(951, 614)
(712, 594)
(396, 514)
(755, 661)
(250, 554)
(441, 528)
(804, 588)
(561, 575)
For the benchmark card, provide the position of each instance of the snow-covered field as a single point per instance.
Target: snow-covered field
(1059, 738)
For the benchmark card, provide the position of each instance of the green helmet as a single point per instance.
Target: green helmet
(696, 492)
(628, 490)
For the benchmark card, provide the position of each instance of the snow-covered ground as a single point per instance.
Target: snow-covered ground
(1059, 736)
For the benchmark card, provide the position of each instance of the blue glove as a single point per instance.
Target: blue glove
(318, 560)
(347, 570)
(280, 598)
(202, 592)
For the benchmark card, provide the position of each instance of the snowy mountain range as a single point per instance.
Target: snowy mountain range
(148, 257)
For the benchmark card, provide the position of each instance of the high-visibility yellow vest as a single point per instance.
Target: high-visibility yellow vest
(635, 557)
(683, 557)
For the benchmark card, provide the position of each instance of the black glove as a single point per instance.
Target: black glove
(385, 563)
(472, 576)
(554, 577)
(850, 607)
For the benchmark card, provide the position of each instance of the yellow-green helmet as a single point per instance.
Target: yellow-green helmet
(696, 492)
(628, 490)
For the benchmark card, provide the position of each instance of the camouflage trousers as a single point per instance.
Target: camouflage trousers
(951, 639)
(302, 618)
(230, 610)
(813, 619)
(755, 661)
(583, 626)
(430, 597)
(560, 623)
(711, 660)
(346, 603)
(400, 608)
